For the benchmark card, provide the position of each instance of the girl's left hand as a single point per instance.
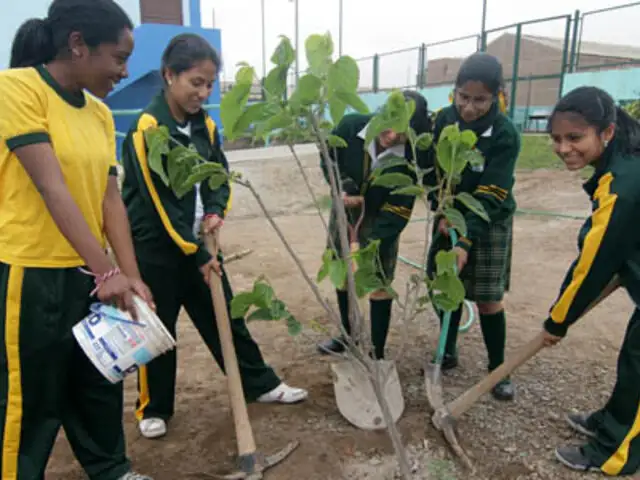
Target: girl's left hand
(140, 288)
(463, 257)
(211, 223)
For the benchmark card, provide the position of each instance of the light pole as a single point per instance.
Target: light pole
(297, 39)
(484, 25)
(264, 41)
(340, 24)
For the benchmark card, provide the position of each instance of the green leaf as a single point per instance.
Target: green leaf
(335, 141)
(217, 180)
(284, 54)
(451, 133)
(456, 219)
(344, 75)
(254, 113)
(157, 141)
(468, 138)
(473, 158)
(294, 327)
(451, 291)
(446, 262)
(245, 75)
(263, 294)
(319, 49)
(353, 100)
(281, 120)
(389, 162)
(327, 257)
(367, 282)
(241, 304)
(338, 272)
(424, 141)
(278, 309)
(393, 180)
(337, 107)
(473, 204)
(231, 108)
(260, 314)
(413, 190)
(308, 90)
(276, 82)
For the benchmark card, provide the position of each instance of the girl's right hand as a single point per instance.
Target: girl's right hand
(119, 290)
(212, 266)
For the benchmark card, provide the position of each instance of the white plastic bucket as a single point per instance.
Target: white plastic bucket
(117, 345)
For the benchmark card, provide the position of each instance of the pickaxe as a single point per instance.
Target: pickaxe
(445, 416)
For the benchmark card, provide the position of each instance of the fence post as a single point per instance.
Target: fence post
(565, 54)
(574, 41)
(514, 73)
(422, 66)
(376, 72)
(483, 42)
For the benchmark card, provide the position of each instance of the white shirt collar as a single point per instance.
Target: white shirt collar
(396, 150)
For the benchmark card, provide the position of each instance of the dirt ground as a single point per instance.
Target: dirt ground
(508, 441)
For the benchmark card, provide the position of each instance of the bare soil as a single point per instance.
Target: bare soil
(508, 441)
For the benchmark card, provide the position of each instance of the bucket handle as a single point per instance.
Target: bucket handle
(94, 308)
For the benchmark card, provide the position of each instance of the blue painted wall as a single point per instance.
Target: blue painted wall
(621, 84)
(144, 80)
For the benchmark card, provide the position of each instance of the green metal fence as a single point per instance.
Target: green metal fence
(536, 54)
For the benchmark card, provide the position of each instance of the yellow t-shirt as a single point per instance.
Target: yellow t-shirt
(34, 109)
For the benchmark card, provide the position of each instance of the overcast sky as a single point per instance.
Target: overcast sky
(376, 26)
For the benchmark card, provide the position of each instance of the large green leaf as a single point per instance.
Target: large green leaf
(335, 141)
(468, 138)
(275, 84)
(284, 54)
(245, 75)
(253, 114)
(280, 120)
(308, 91)
(424, 141)
(157, 141)
(338, 272)
(319, 49)
(473, 204)
(337, 107)
(446, 261)
(231, 108)
(344, 75)
(456, 219)
(413, 190)
(260, 314)
(241, 304)
(353, 100)
(263, 294)
(393, 180)
(216, 180)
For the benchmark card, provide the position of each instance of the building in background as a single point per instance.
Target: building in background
(156, 22)
(539, 56)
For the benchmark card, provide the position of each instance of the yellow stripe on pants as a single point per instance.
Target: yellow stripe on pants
(13, 419)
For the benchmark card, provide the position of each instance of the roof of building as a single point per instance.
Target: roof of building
(610, 50)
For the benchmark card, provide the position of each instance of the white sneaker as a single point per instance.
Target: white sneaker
(152, 428)
(134, 476)
(283, 393)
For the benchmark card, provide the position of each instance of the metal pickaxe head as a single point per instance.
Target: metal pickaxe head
(252, 466)
(446, 423)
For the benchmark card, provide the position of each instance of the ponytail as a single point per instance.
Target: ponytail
(32, 44)
(628, 131)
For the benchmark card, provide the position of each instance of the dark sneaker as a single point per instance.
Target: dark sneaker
(504, 391)
(580, 423)
(571, 456)
(449, 362)
(333, 345)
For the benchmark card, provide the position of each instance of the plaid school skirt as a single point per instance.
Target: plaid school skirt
(487, 274)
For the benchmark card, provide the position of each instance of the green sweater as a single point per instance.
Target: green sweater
(161, 223)
(608, 242)
(493, 184)
(388, 214)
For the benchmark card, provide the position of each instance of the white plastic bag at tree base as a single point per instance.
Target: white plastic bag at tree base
(116, 345)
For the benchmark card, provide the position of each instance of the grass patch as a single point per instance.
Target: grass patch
(324, 201)
(536, 153)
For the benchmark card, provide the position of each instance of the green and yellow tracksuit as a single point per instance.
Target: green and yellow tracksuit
(170, 253)
(385, 215)
(609, 244)
(46, 381)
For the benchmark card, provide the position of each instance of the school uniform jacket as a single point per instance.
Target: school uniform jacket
(608, 242)
(491, 184)
(388, 213)
(163, 224)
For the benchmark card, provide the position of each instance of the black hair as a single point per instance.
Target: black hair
(184, 51)
(39, 41)
(482, 67)
(599, 110)
(421, 120)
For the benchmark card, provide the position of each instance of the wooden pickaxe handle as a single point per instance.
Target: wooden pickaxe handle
(244, 432)
(460, 405)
